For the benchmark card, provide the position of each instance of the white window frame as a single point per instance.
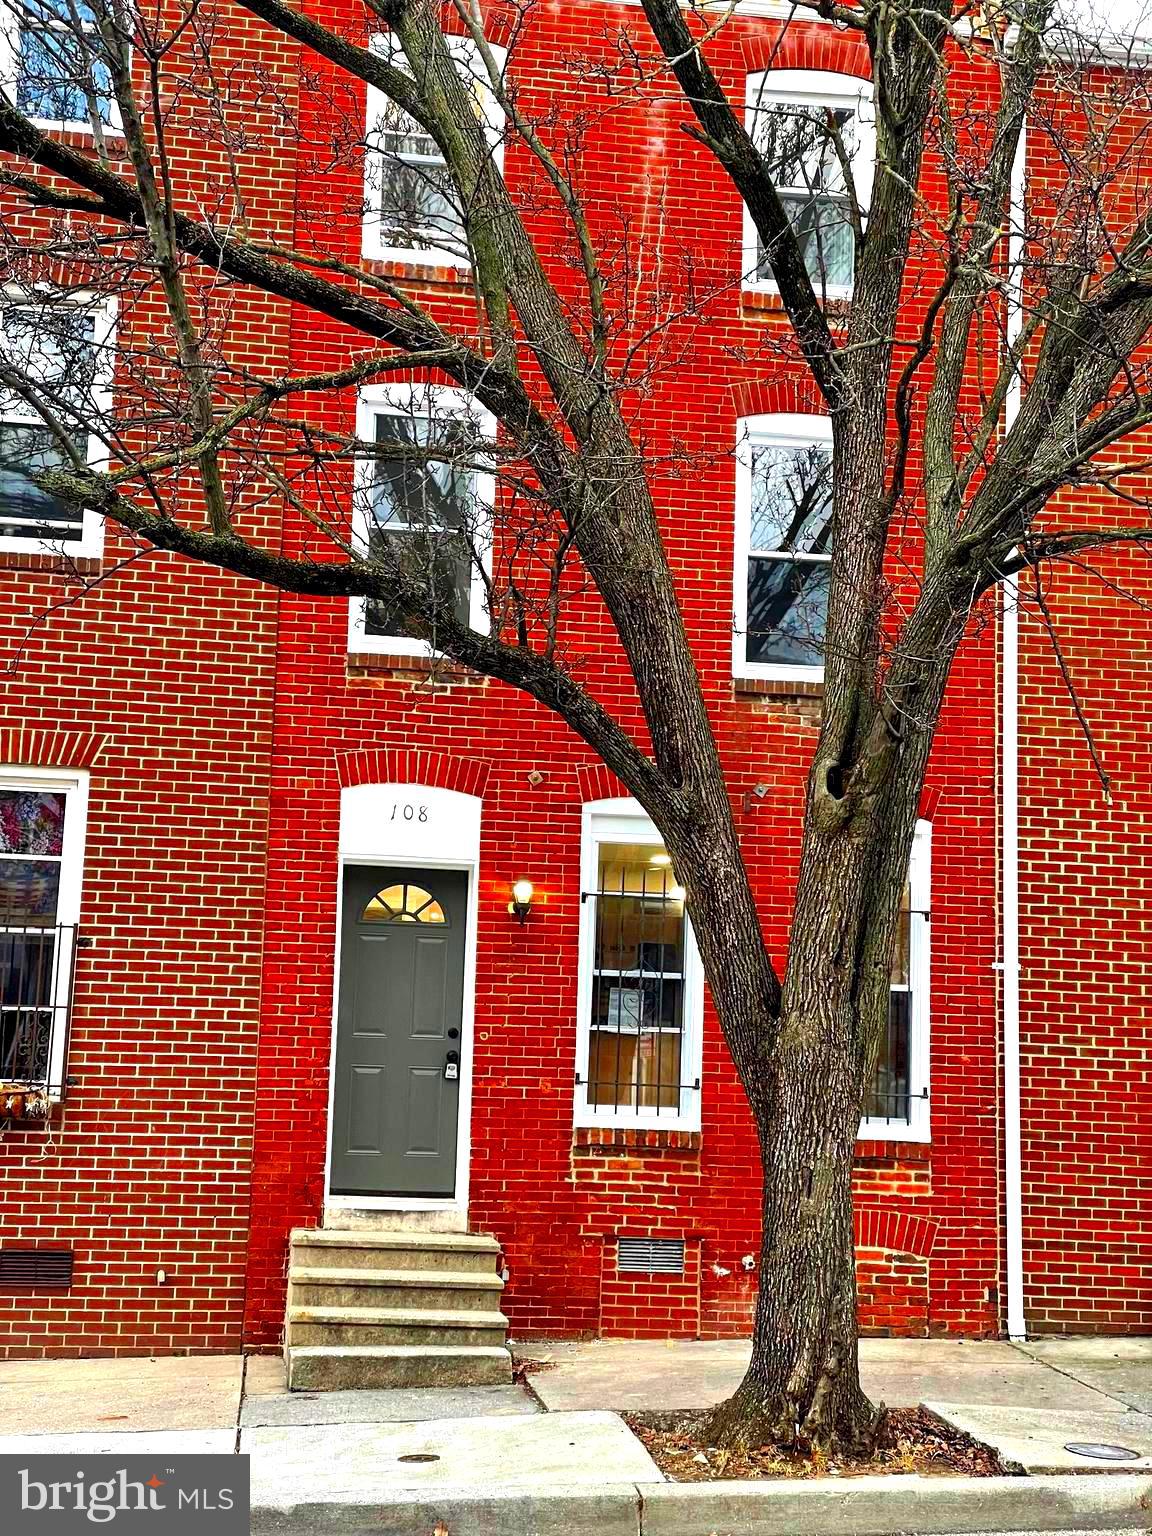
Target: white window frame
(812, 88)
(624, 821)
(775, 430)
(10, 30)
(918, 1127)
(74, 786)
(470, 63)
(91, 540)
(405, 400)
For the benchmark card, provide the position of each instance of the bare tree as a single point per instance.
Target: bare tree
(960, 416)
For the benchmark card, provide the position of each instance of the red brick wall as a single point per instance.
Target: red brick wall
(1085, 1023)
(553, 1199)
(169, 669)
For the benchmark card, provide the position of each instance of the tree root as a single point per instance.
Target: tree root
(827, 1421)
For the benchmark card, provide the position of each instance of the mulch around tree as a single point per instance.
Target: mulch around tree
(910, 1440)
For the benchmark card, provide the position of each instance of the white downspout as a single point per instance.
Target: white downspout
(1010, 813)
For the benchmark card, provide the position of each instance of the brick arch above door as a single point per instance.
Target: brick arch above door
(406, 765)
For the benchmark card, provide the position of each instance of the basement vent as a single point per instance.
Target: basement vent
(650, 1255)
(36, 1266)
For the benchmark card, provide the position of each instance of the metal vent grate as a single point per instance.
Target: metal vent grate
(650, 1255)
(36, 1266)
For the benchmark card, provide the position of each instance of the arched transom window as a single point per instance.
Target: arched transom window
(403, 904)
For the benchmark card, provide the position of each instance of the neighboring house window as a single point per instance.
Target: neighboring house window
(41, 864)
(815, 132)
(412, 210)
(783, 545)
(896, 1105)
(426, 522)
(640, 987)
(55, 70)
(66, 350)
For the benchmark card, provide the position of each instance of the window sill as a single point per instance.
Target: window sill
(425, 272)
(589, 1139)
(777, 687)
(435, 669)
(871, 1150)
(50, 561)
(767, 301)
(80, 135)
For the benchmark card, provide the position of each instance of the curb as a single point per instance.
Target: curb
(862, 1506)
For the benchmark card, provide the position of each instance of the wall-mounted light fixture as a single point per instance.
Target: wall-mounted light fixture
(521, 903)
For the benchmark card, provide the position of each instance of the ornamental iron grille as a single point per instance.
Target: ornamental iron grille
(36, 967)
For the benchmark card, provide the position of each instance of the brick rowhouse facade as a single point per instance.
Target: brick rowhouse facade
(154, 676)
(180, 1144)
(559, 1197)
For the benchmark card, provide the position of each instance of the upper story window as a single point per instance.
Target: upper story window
(896, 1105)
(783, 545)
(422, 508)
(54, 70)
(640, 988)
(65, 348)
(412, 210)
(815, 132)
(41, 865)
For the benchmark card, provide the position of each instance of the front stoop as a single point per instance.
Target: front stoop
(394, 1309)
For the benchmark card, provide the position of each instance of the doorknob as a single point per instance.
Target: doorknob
(452, 1066)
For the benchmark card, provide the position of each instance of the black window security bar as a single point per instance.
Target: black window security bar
(891, 1094)
(36, 972)
(636, 1028)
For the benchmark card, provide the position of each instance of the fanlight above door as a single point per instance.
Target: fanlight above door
(403, 904)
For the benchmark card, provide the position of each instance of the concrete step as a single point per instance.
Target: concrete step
(424, 1290)
(328, 1368)
(352, 1326)
(326, 1248)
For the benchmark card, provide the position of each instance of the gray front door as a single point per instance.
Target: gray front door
(397, 1095)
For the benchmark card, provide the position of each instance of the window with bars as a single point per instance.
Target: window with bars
(815, 132)
(896, 1105)
(41, 849)
(640, 982)
(412, 209)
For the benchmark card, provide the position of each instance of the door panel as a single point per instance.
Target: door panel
(395, 1114)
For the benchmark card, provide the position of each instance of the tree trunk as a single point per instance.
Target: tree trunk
(802, 1387)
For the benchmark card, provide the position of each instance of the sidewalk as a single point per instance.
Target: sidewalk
(553, 1457)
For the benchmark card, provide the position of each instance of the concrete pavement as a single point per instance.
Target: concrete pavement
(490, 1461)
(659, 1374)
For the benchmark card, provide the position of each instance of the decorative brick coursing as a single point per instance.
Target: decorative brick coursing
(606, 1139)
(399, 765)
(596, 781)
(889, 1227)
(42, 747)
(804, 46)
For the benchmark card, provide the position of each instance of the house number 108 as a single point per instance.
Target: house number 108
(409, 813)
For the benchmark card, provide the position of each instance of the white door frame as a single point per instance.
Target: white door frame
(457, 1203)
